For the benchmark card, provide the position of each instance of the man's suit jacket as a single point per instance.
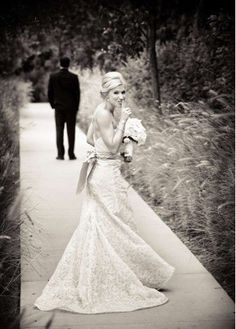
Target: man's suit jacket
(64, 91)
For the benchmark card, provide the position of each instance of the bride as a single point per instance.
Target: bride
(106, 266)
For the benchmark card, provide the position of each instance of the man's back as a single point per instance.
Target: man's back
(64, 91)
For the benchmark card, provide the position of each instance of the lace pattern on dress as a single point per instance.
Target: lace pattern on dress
(106, 266)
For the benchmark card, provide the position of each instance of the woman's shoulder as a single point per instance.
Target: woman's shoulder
(101, 113)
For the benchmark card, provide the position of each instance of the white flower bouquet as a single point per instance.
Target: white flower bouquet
(134, 133)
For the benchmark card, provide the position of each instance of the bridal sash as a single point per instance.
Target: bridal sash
(88, 166)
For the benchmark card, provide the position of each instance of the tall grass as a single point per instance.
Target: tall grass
(185, 172)
(14, 94)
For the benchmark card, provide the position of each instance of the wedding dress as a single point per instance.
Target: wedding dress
(106, 266)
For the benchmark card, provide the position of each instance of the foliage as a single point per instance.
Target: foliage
(90, 97)
(194, 42)
(196, 62)
(32, 49)
(191, 68)
(14, 94)
(136, 73)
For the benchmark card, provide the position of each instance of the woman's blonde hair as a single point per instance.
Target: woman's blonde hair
(110, 81)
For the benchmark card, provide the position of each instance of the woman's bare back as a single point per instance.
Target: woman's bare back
(100, 110)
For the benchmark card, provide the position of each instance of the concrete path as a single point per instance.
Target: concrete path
(51, 210)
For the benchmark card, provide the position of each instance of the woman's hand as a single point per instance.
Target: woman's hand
(128, 151)
(125, 113)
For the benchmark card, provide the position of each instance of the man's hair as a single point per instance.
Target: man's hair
(65, 62)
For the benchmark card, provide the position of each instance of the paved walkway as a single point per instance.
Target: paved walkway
(52, 210)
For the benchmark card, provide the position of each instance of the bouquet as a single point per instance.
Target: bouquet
(134, 133)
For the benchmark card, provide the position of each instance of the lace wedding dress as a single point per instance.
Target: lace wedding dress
(106, 266)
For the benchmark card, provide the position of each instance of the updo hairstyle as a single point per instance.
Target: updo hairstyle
(110, 81)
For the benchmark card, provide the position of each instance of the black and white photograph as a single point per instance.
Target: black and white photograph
(117, 164)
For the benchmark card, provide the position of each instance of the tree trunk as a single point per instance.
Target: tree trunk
(153, 59)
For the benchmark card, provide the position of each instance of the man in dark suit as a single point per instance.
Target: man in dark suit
(64, 97)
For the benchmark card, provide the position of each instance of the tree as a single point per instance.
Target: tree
(89, 30)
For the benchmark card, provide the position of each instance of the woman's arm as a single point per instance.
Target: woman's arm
(90, 135)
(111, 138)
